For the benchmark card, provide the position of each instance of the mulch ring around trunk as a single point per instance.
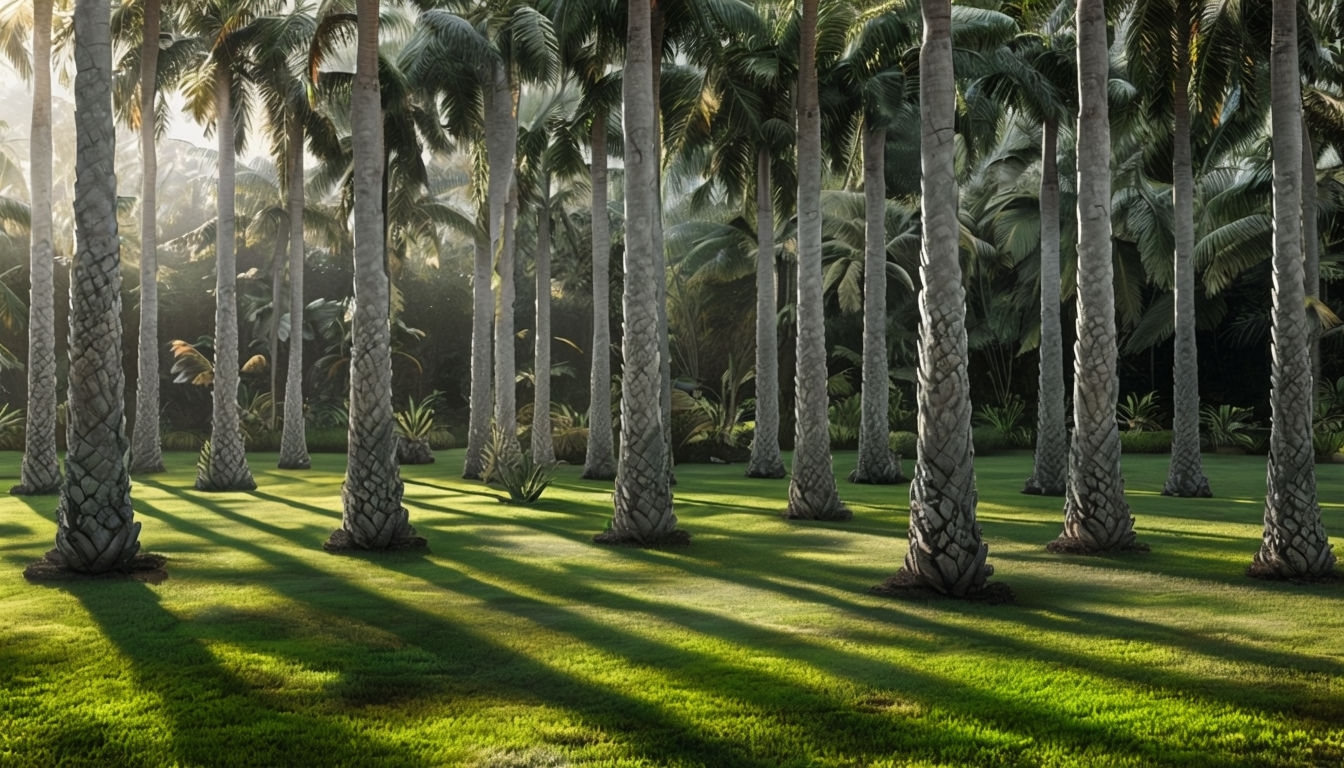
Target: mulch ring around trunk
(146, 568)
(905, 585)
(342, 543)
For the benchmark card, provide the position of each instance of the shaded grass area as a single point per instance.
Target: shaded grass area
(518, 642)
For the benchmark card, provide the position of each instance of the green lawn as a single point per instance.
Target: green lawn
(518, 642)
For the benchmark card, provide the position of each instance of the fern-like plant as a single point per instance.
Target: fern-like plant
(1139, 413)
(1229, 426)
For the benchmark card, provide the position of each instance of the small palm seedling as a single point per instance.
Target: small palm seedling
(415, 424)
(1229, 426)
(523, 478)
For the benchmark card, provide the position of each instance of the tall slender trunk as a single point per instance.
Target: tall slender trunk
(812, 493)
(227, 469)
(372, 516)
(482, 343)
(278, 252)
(658, 28)
(543, 449)
(643, 501)
(946, 552)
(40, 472)
(600, 458)
(146, 445)
(1096, 515)
(1050, 466)
(96, 529)
(876, 464)
(765, 458)
(293, 438)
(1186, 474)
(1295, 543)
(1311, 243)
(501, 147)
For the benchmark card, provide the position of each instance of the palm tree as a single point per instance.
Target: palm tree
(643, 501)
(96, 529)
(1096, 515)
(812, 492)
(373, 516)
(946, 553)
(1295, 544)
(221, 28)
(40, 473)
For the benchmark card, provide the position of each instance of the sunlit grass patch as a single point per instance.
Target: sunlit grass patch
(517, 642)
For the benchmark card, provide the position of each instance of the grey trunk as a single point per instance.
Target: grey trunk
(1050, 466)
(96, 529)
(765, 458)
(373, 516)
(1311, 243)
(600, 458)
(501, 139)
(1295, 543)
(1186, 474)
(543, 449)
(876, 463)
(946, 552)
(293, 438)
(146, 445)
(812, 493)
(643, 500)
(227, 470)
(482, 341)
(1096, 515)
(40, 472)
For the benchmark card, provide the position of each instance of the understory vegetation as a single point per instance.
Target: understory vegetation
(518, 642)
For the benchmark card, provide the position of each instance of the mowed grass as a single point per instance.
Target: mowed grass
(519, 642)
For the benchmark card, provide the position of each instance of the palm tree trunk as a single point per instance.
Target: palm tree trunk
(1096, 515)
(812, 493)
(501, 140)
(1186, 474)
(40, 472)
(946, 553)
(96, 529)
(1295, 543)
(600, 458)
(643, 501)
(373, 516)
(482, 343)
(765, 458)
(146, 445)
(227, 469)
(876, 464)
(1050, 467)
(543, 449)
(658, 28)
(293, 438)
(1311, 243)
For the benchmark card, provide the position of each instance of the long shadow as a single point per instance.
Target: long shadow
(215, 718)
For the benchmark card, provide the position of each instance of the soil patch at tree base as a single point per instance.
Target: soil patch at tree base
(674, 538)
(342, 543)
(1067, 545)
(147, 568)
(1266, 573)
(905, 585)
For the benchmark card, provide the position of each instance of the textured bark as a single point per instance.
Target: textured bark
(482, 342)
(372, 516)
(600, 459)
(1049, 473)
(40, 472)
(1186, 474)
(96, 529)
(658, 30)
(227, 470)
(946, 552)
(765, 458)
(643, 501)
(1311, 243)
(1096, 515)
(146, 445)
(1295, 543)
(543, 449)
(876, 463)
(293, 437)
(501, 139)
(812, 493)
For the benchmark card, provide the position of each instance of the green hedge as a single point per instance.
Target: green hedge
(1154, 441)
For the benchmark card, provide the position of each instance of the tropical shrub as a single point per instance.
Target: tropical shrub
(1229, 426)
(988, 440)
(523, 478)
(1139, 413)
(415, 424)
(1154, 441)
(1008, 419)
(1327, 436)
(846, 417)
(11, 428)
(903, 444)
